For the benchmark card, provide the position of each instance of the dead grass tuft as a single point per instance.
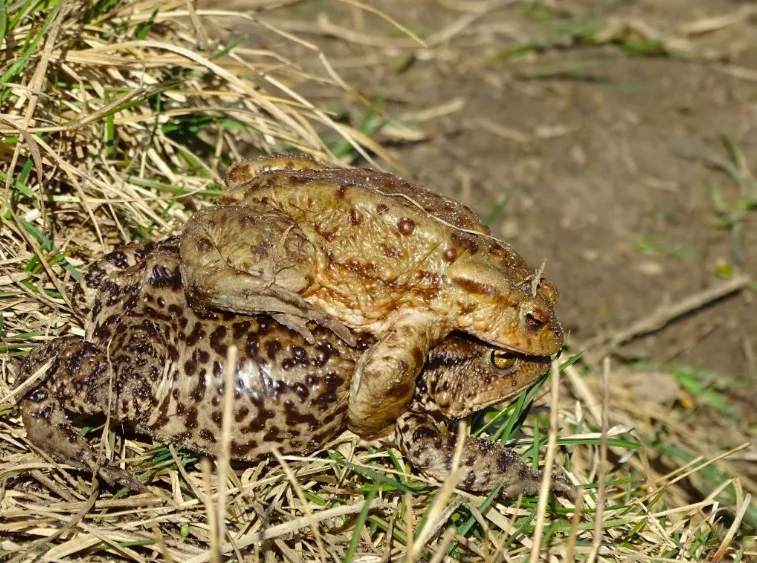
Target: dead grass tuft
(116, 120)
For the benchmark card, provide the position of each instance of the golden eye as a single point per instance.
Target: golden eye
(502, 360)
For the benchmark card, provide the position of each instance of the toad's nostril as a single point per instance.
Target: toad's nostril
(535, 320)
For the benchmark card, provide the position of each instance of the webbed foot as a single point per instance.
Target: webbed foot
(113, 475)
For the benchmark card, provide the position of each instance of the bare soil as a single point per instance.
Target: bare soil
(602, 162)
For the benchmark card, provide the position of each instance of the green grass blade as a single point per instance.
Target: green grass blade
(378, 476)
(359, 523)
(3, 21)
(31, 48)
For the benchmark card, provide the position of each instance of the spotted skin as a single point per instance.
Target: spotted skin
(484, 464)
(76, 383)
(367, 251)
(153, 362)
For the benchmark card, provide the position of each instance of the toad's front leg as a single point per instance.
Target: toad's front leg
(485, 464)
(77, 381)
(249, 261)
(385, 375)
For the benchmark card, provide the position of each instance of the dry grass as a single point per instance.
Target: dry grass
(116, 120)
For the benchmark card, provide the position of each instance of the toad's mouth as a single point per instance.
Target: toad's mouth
(511, 361)
(522, 354)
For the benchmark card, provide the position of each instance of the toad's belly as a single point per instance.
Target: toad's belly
(288, 394)
(291, 416)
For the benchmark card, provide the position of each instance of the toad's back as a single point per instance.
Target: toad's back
(377, 227)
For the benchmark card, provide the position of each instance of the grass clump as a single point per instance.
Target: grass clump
(117, 119)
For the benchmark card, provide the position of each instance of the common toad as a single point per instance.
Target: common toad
(367, 251)
(160, 366)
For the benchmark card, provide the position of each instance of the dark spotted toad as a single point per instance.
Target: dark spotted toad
(160, 366)
(367, 251)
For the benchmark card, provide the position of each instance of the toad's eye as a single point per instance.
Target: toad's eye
(502, 360)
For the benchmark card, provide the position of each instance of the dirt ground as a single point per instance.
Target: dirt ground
(603, 163)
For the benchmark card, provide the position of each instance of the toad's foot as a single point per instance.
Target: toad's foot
(248, 261)
(485, 465)
(77, 379)
(385, 375)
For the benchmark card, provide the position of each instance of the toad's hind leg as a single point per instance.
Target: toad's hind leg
(251, 261)
(246, 170)
(385, 375)
(485, 464)
(77, 381)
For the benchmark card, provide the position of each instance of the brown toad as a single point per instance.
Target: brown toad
(295, 239)
(160, 366)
